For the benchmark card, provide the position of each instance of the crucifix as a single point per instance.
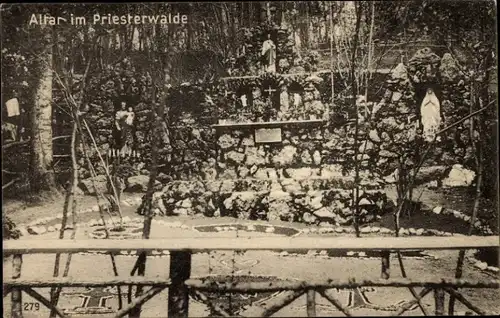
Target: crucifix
(270, 91)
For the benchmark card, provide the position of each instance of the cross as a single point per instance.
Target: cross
(270, 90)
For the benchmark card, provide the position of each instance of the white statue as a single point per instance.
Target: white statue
(243, 99)
(297, 99)
(430, 112)
(284, 99)
(269, 55)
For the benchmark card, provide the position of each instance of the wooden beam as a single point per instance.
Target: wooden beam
(439, 301)
(178, 294)
(87, 282)
(216, 309)
(16, 294)
(253, 243)
(413, 302)
(311, 303)
(328, 295)
(277, 303)
(386, 266)
(206, 284)
(270, 124)
(6, 291)
(464, 301)
(44, 301)
(140, 301)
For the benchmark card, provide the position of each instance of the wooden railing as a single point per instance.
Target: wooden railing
(181, 285)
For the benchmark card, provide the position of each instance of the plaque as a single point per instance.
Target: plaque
(267, 135)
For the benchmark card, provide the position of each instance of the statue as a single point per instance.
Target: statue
(124, 124)
(269, 55)
(430, 114)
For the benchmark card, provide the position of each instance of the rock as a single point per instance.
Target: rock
(448, 68)
(243, 172)
(254, 157)
(139, 183)
(317, 157)
(373, 135)
(438, 210)
(300, 173)
(270, 229)
(235, 157)
(324, 213)
(399, 73)
(51, 229)
(396, 96)
(36, 230)
(186, 203)
(385, 230)
(261, 174)
(249, 142)
(420, 232)
(459, 177)
(481, 265)
(366, 146)
(492, 269)
(291, 185)
(285, 156)
(284, 253)
(306, 157)
(308, 218)
(331, 171)
(339, 229)
(365, 201)
(412, 231)
(375, 229)
(366, 229)
(226, 141)
(100, 182)
(432, 185)
(251, 227)
(316, 203)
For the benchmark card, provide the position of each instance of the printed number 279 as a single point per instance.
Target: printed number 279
(31, 306)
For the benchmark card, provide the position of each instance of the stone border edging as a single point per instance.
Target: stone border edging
(38, 227)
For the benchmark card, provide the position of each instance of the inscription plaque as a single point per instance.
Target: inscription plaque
(267, 135)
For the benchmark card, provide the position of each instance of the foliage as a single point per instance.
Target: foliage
(9, 228)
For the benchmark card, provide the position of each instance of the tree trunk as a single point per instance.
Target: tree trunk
(41, 122)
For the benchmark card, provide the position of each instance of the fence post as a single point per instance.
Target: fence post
(17, 299)
(386, 265)
(178, 294)
(311, 303)
(439, 301)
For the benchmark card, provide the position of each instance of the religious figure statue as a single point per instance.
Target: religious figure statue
(430, 114)
(124, 123)
(269, 55)
(284, 102)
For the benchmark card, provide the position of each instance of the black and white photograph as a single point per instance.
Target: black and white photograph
(250, 159)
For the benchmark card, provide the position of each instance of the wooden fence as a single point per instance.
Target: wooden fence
(181, 286)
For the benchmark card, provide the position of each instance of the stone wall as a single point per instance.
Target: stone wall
(308, 176)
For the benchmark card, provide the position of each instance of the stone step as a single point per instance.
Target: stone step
(295, 171)
(183, 188)
(332, 205)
